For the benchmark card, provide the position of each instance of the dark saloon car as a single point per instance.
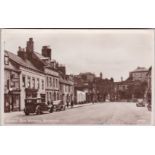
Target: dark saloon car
(37, 106)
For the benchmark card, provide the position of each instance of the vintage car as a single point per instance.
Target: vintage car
(140, 103)
(149, 107)
(58, 105)
(36, 105)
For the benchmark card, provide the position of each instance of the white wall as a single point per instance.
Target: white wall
(33, 74)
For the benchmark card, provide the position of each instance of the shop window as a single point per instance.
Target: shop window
(13, 84)
(50, 96)
(47, 97)
(54, 96)
(57, 96)
(8, 84)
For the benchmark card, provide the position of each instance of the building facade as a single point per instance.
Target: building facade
(52, 85)
(11, 85)
(28, 79)
(33, 75)
(148, 91)
(140, 73)
(44, 63)
(66, 90)
(32, 85)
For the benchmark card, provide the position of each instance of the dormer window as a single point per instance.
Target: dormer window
(6, 60)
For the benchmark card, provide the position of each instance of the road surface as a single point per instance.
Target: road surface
(113, 113)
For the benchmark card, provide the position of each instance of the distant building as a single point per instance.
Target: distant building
(80, 97)
(148, 91)
(121, 88)
(96, 88)
(104, 88)
(89, 77)
(140, 73)
(134, 86)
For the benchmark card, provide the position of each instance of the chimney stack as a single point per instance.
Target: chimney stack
(21, 53)
(46, 52)
(62, 69)
(30, 46)
(101, 75)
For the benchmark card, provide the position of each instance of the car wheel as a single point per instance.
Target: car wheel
(26, 112)
(51, 110)
(38, 110)
(64, 108)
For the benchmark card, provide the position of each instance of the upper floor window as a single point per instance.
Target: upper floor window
(33, 82)
(8, 84)
(47, 81)
(38, 83)
(23, 81)
(56, 83)
(28, 82)
(51, 81)
(42, 84)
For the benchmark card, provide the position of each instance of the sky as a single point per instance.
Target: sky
(114, 52)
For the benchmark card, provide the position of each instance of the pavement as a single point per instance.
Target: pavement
(107, 113)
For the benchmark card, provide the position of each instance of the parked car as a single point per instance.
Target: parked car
(36, 105)
(140, 103)
(149, 107)
(58, 105)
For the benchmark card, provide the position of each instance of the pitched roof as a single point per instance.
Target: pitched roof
(140, 69)
(43, 59)
(64, 81)
(25, 63)
(41, 56)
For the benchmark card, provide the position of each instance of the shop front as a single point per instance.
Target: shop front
(12, 101)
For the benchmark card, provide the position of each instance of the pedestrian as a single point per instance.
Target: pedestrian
(67, 104)
(48, 102)
(72, 104)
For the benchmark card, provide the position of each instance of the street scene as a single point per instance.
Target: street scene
(88, 114)
(77, 77)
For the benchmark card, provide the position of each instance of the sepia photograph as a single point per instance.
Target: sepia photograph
(78, 76)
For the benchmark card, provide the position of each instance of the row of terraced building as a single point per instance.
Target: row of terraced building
(30, 74)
